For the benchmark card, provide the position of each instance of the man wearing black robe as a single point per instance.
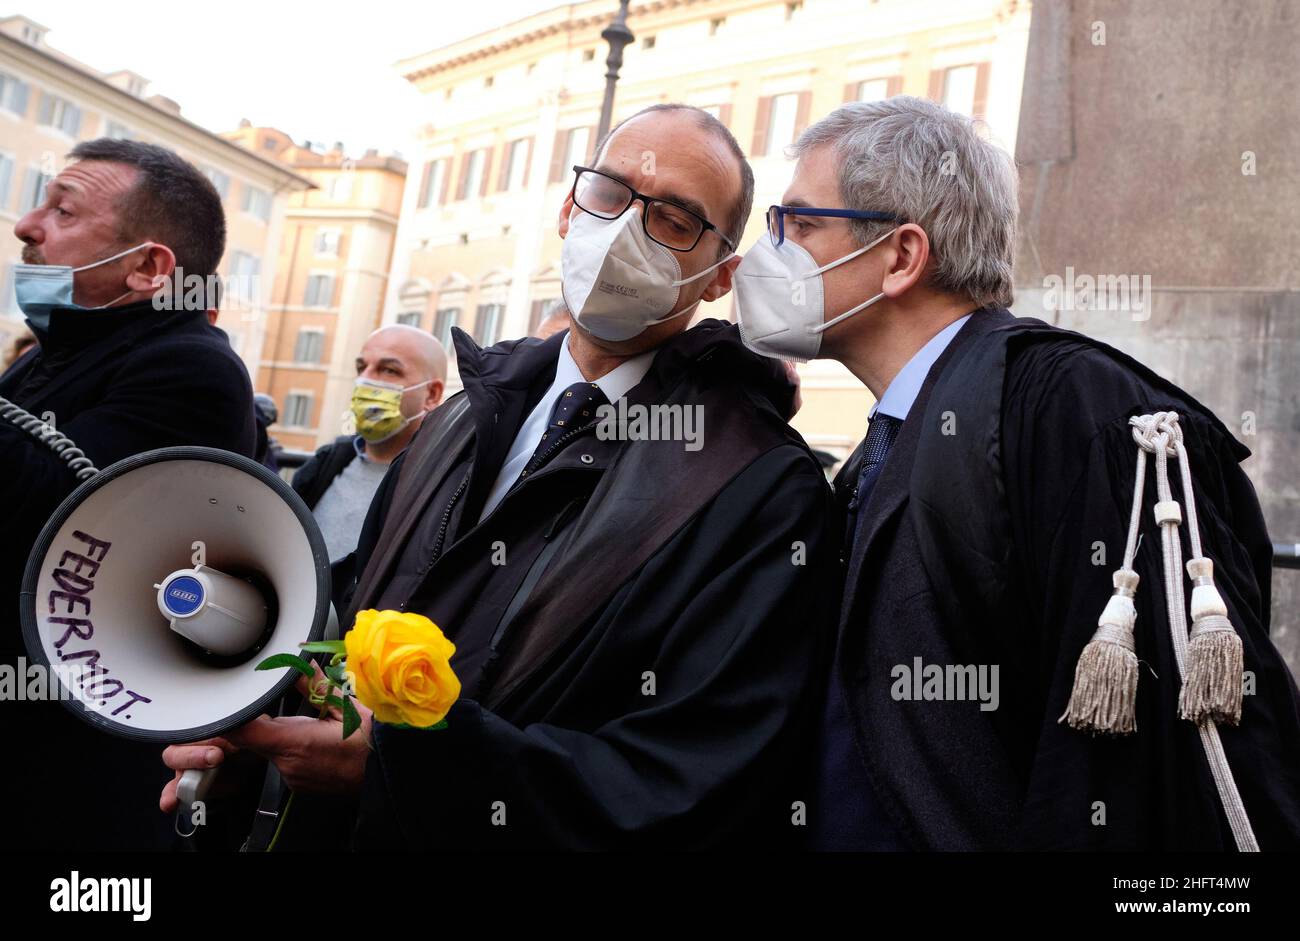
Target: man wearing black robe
(986, 511)
(638, 621)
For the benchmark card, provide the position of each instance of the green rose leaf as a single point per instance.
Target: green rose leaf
(287, 660)
(351, 718)
(324, 646)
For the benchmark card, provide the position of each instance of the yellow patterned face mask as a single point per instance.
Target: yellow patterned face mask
(377, 407)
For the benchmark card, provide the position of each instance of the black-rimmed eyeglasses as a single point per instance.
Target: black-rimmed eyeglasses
(776, 217)
(667, 223)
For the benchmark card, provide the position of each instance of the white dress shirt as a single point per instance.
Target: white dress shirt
(615, 384)
(902, 392)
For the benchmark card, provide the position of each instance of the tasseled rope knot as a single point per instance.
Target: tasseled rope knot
(1210, 663)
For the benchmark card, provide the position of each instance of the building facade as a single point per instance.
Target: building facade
(49, 102)
(335, 250)
(509, 112)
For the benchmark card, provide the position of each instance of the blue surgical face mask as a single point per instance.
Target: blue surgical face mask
(42, 288)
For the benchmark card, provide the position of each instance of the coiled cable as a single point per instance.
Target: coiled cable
(61, 445)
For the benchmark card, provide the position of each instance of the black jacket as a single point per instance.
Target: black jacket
(118, 382)
(652, 688)
(980, 547)
(315, 476)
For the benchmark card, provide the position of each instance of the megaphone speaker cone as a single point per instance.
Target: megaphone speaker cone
(153, 562)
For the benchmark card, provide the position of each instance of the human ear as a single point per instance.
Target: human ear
(152, 265)
(908, 253)
(723, 276)
(566, 210)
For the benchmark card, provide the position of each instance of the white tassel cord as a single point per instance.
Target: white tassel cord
(1104, 697)
(1210, 665)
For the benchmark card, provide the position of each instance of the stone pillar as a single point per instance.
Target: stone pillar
(1159, 151)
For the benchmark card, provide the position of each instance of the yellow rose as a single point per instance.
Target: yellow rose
(401, 667)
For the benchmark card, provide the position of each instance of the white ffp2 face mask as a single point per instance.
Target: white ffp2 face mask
(616, 280)
(780, 299)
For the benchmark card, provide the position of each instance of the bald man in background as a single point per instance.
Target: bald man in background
(337, 484)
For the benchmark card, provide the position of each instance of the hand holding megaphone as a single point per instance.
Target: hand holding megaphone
(336, 767)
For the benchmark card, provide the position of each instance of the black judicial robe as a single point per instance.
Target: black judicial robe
(653, 690)
(981, 547)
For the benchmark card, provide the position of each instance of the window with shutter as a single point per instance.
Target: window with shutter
(483, 172)
(488, 317)
(327, 242)
(70, 120)
(514, 167)
(959, 89)
(6, 179)
(244, 269)
(33, 190)
(979, 107)
(309, 346)
(443, 321)
(59, 114)
(876, 89)
(422, 195)
(539, 310)
(320, 290)
(559, 170)
(576, 151)
(257, 203)
(435, 191)
(13, 94)
(471, 174)
(297, 409)
(783, 123)
(219, 180)
(763, 118)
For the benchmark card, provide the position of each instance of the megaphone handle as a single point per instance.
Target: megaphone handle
(194, 784)
(192, 788)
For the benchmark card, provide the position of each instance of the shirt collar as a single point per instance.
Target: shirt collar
(902, 392)
(615, 384)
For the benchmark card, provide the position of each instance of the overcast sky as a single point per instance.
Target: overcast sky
(318, 71)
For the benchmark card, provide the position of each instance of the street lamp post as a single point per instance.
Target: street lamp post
(617, 35)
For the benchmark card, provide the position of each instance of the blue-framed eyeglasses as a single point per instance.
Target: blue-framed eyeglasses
(776, 217)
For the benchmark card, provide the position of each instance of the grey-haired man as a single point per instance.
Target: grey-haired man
(997, 458)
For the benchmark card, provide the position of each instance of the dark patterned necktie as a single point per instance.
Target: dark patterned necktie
(574, 407)
(882, 432)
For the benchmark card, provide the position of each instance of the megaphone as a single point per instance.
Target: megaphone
(157, 583)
